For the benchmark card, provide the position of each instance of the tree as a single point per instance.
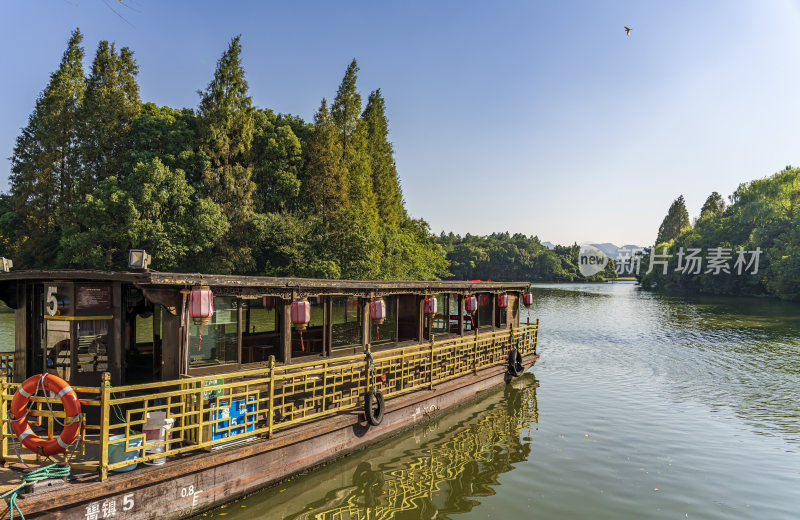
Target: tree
(388, 196)
(676, 221)
(714, 206)
(167, 134)
(109, 108)
(226, 126)
(278, 162)
(44, 163)
(326, 181)
(346, 114)
(153, 208)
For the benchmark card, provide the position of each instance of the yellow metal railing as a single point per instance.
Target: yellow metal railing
(215, 411)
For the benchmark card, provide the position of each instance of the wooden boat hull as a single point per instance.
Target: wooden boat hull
(196, 483)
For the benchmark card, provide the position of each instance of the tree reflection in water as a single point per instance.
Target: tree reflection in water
(446, 472)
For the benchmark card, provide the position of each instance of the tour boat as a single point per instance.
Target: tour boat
(163, 395)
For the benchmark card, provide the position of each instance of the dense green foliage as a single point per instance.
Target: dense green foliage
(505, 257)
(676, 221)
(226, 188)
(763, 214)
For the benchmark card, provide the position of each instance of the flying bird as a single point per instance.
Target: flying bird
(627, 30)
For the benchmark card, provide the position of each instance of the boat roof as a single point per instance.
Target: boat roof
(267, 284)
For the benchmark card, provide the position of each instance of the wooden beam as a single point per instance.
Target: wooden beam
(170, 341)
(286, 330)
(421, 316)
(460, 314)
(365, 329)
(115, 354)
(21, 334)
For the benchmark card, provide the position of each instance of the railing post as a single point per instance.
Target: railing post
(432, 343)
(105, 415)
(3, 418)
(271, 412)
(324, 383)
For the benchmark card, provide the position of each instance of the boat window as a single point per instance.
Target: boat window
(261, 335)
(485, 306)
(441, 321)
(385, 332)
(453, 311)
(217, 342)
(310, 341)
(408, 317)
(345, 322)
(57, 348)
(92, 349)
(501, 315)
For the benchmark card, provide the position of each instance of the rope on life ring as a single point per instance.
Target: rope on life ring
(22, 401)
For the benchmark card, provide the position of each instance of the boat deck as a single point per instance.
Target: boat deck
(198, 481)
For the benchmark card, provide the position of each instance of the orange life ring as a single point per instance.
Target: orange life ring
(19, 414)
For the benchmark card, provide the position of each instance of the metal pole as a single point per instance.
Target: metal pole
(105, 415)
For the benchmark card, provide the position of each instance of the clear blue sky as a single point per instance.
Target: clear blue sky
(533, 117)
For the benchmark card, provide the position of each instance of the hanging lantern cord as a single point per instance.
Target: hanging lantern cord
(302, 346)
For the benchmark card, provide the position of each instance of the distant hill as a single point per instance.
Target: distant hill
(612, 251)
(549, 245)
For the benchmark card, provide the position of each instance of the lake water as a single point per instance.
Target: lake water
(642, 406)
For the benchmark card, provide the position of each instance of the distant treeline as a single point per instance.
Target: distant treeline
(750, 247)
(225, 188)
(506, 257)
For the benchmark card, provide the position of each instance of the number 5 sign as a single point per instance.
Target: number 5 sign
(51, 302)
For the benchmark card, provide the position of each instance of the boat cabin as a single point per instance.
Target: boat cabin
(150, 326)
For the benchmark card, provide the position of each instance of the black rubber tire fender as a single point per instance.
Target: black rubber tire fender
(374, 406)
(515, 366)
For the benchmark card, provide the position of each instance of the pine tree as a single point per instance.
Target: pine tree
(676, 221)
(714, 206)
(110, 105)
(388, 195)
(346, 113)
(326, 182)
(44, 163)
(226, 125)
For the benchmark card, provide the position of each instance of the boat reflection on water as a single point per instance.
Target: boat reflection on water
(434, 471)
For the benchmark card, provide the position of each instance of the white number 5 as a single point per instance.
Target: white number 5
(51, 301)
(127, 502)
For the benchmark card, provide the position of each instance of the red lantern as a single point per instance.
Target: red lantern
(502, 301)
(485, 299)
(527, 299)
(201, 305)
(431, 305)
(268, 302)
(377, 311)
(471, 304)
(301, 314)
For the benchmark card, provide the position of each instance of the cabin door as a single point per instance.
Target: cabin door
(76, 331)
